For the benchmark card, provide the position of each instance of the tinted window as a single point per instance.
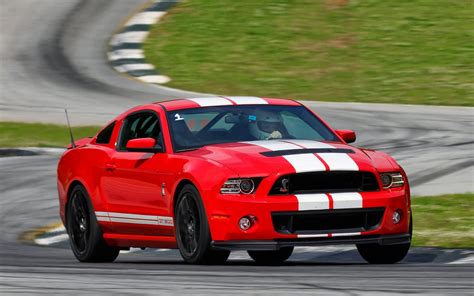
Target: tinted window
(141, 125)
(193, 128)
(104, 136)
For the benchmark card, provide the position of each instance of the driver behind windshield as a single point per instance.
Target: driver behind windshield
(266, 125)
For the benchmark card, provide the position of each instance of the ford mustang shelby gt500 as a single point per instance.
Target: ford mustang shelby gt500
(211, 175)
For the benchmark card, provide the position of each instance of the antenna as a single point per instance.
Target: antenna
(73, 144)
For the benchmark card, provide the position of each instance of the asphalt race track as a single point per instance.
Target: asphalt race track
(53, 56)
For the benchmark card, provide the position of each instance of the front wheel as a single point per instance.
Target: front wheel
(192, 230)
(271, 257)
(84, 232)
(377, 254)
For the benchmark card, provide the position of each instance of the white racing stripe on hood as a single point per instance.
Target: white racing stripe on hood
(273, 145)
(304, 162)
(310, 144)
(339, 161)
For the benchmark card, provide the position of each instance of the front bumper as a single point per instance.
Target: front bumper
(224, 212)
(382, 240)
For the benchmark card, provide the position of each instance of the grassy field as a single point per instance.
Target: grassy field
(444, 221)
(40, 135)
(414, 52)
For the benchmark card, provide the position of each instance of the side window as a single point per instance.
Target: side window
(142, 125)
(104, 136)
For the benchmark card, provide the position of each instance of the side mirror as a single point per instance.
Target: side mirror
(347, 135)
(143, 145)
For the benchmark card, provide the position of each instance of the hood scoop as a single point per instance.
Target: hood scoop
(305, 151)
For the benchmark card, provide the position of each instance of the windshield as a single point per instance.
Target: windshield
(195, 128)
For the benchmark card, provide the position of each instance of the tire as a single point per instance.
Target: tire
(271, 257)
(377, 254)
(192, 230)
(85, 236)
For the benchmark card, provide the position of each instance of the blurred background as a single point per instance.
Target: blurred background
(399, 73)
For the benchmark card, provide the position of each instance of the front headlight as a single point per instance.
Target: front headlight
(392, 180)
(239, 186)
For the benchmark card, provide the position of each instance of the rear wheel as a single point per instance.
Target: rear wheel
(377, 254)
(192, 230)
(84, 232)
(271, 257)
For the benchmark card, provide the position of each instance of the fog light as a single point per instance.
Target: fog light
(397, 217)
(245, 223)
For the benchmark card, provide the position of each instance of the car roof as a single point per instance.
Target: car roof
(179, 104)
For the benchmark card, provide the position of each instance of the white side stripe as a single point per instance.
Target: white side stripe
(339, 161)
(312, 202)
(248, 100)
(347, 200)
(211, 101)
(134, 218)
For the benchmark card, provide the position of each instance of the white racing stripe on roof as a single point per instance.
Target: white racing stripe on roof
(307, 202)
(347, 200)
(248, 100)
(211, 101)
(145, 18)
(339, 161)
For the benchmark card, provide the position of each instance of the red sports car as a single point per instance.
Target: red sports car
(211, 175)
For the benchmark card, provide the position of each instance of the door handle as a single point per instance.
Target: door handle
(110, 167)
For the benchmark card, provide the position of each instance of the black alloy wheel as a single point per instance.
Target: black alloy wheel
(189, 224)
(85, 235)
(192, 230)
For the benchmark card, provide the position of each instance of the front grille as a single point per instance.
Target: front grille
(327, 221)
(325, 182)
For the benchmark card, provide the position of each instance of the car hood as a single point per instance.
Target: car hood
(262, 158)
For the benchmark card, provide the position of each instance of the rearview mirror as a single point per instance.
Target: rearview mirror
(232, 118)
(347, 135)
(143, 145)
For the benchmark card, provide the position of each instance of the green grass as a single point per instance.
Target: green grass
(414, 52)
(15, 134)
(444, 221)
